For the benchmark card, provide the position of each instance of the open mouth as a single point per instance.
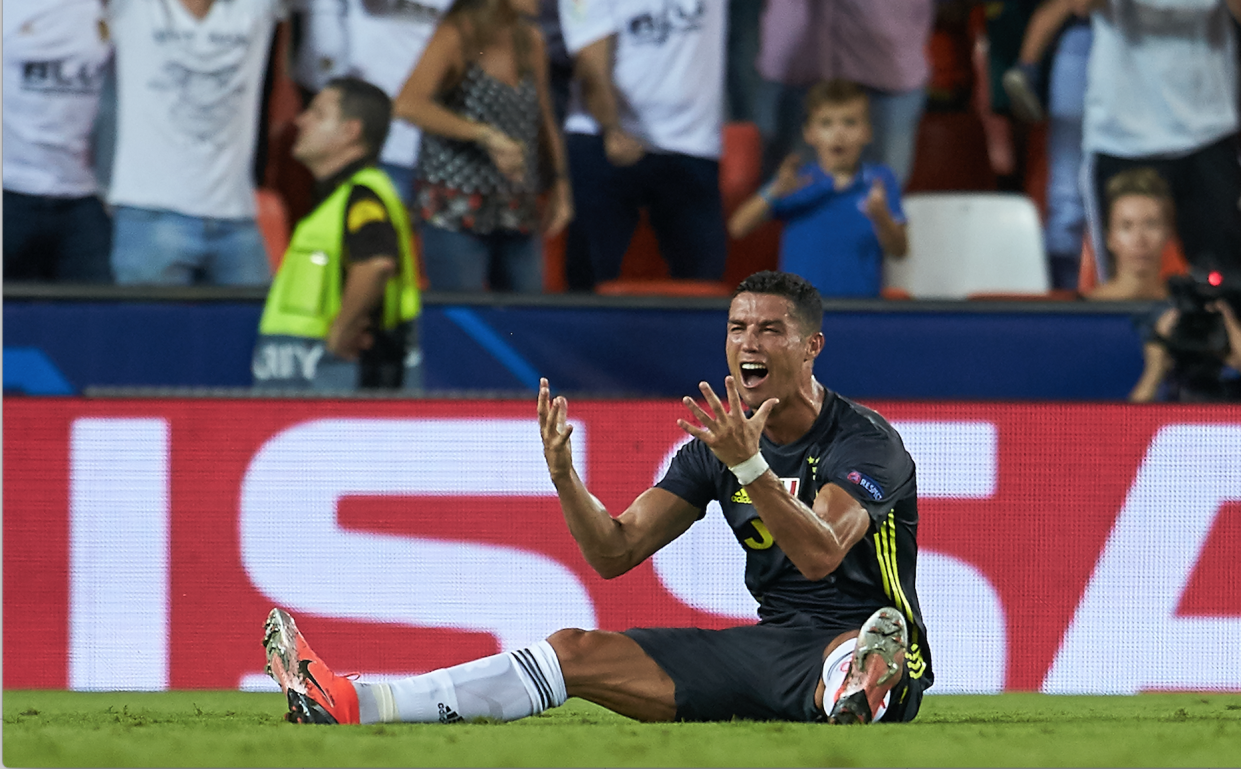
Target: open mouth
(752, 374)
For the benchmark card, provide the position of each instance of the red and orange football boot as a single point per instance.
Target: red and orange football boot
(316, 695)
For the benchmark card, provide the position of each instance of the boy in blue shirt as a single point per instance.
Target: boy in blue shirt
(840, 215)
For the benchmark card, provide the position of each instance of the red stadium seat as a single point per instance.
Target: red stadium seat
(662, 287)
(1054, 295)
(892, 292)
(273, 222)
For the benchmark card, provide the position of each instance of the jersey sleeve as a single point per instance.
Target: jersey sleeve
(369, 231)
(583, 22)
(873, 467)
(692, 475)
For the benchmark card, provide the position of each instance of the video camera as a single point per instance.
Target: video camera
(1199, 332)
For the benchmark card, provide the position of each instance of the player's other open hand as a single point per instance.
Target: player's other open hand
(555, 430)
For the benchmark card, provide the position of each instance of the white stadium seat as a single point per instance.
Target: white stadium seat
(964, 243)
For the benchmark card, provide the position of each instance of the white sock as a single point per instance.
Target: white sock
(834, 669)
(505, 687)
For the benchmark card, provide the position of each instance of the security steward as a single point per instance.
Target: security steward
(343, 309)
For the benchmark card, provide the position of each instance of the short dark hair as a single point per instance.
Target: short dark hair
(834, 92)
(807, 304)
(360, 100)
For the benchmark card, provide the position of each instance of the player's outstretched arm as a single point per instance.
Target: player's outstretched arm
(612, 546)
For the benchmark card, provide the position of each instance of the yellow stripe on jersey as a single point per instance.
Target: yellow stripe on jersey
(364, 212)
(885, 552)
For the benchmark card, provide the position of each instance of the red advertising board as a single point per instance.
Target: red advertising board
(1063, 548)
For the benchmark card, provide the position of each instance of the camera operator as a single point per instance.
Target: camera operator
(1194, 352)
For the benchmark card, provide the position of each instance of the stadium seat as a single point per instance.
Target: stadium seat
(969, 243)
(662, 287)
(273, 221)
(1174, 263)
(891, 292)
(1054, 295)
(741, 163)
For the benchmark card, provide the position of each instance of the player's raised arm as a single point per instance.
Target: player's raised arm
(612, 546)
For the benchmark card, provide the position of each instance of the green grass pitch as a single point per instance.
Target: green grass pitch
(201, 728)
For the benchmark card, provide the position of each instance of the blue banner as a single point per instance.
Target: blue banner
(876, 350)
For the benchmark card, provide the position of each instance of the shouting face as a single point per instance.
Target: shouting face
(770, 353)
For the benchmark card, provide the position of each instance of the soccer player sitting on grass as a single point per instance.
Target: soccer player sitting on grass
(818, 490)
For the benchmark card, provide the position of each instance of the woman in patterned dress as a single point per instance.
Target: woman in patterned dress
(490, 149)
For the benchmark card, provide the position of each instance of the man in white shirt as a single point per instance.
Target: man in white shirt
(55, 56)
(189, 84)
(1161, 91)
(320, 46)
(644, 131)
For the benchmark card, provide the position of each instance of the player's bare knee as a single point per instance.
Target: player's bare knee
(572, 645)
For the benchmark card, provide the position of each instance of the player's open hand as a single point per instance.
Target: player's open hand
(730, 435)
(555, 429)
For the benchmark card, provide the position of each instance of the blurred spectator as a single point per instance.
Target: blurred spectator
(480, 95)
(841, 215)
(1162, 91)
(189, 82)
(559, 62)
(1139, 225)
(645, 131)
(55, 56)
(343, 308)
(1049, 82)
(1024, 81)
(386, 39)
(320, 45)
(1006, 25)
(745, 19)
(1066, 104)
(881, 46)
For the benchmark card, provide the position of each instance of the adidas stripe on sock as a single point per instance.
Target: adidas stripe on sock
(505, 687)
(539, 669)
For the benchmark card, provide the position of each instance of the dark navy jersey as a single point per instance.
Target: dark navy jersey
(856, 449)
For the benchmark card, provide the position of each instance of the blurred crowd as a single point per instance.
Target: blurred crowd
(145, 140)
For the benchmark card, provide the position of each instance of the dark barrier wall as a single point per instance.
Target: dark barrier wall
(654, 348)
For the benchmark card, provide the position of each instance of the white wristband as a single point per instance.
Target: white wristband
(748, 471)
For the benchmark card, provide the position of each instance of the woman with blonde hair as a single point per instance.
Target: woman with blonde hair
(490, 147)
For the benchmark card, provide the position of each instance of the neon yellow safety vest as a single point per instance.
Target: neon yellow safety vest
(305, 295)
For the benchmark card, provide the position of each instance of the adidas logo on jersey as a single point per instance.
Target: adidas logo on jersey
(790, 484)
(448, 715)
